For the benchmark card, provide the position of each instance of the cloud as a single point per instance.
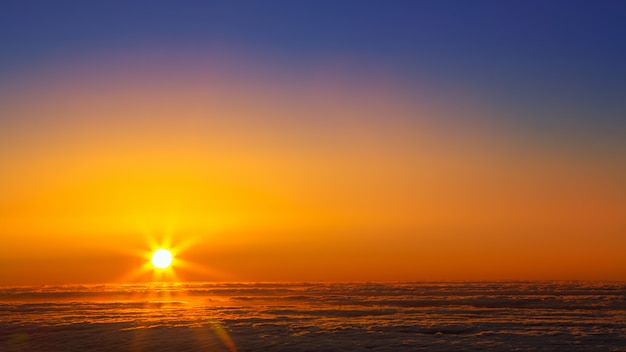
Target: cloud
(339, 317)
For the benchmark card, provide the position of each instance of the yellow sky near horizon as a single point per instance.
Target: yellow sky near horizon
(276, 180)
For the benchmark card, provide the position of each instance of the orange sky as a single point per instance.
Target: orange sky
(267, 177)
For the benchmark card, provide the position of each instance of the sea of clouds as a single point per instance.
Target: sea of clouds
(487, 316)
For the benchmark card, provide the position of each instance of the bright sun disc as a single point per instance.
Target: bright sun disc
(162, 258)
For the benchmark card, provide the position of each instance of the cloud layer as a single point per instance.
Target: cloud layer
(315, 317)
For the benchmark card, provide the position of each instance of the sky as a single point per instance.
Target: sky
(312, 140)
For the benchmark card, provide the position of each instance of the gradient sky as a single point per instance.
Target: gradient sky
(313, 140)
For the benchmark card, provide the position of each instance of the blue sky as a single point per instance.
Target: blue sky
(526, 52)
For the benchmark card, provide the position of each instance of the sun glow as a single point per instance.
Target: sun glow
(162, 258)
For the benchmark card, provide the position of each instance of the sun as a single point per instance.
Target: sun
(162, 258)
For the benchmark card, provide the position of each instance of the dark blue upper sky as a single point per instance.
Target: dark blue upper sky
(533, 55)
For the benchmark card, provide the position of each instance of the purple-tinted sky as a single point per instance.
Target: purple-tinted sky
(538, 59)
